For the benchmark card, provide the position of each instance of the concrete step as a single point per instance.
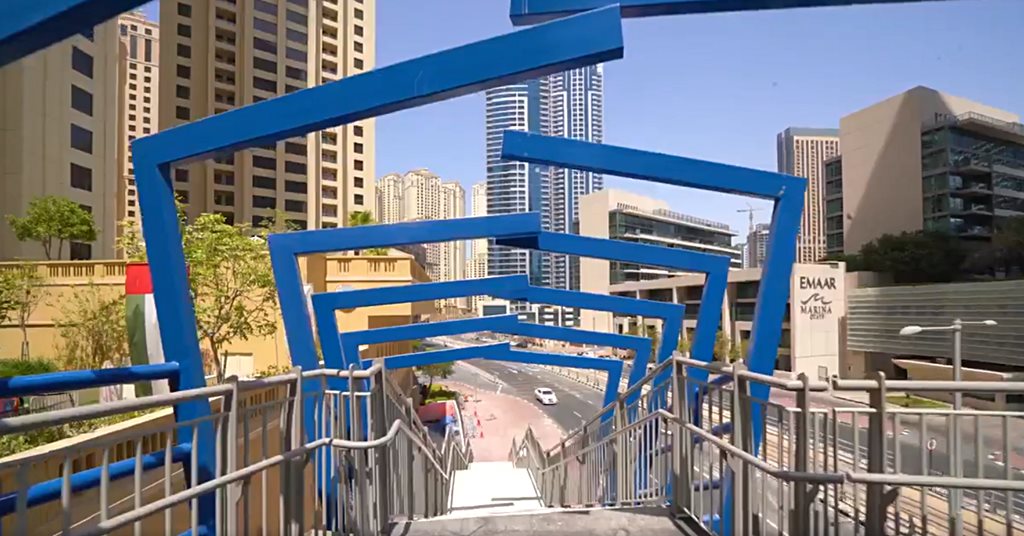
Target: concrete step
(488, 488)
(583, 522)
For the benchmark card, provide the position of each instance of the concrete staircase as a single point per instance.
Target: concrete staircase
(489, 488)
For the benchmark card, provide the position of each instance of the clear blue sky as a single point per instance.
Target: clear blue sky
(718, 87)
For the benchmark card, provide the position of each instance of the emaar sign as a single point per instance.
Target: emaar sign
(816, 305)
(816, 311)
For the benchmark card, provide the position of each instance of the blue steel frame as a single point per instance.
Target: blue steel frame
(30, 25)
(573, 42)
(523, 12)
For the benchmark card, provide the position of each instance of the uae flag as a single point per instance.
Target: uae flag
(143, 330)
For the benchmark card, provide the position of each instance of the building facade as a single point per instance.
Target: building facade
(62, 133)
(802, 152)
(141, 39)
(422, 195)
(221, 55)
(577, 112)
(514, 187)
(476, 263)
(834, 215)
(757, 245)
(925, 160)
(630, 217)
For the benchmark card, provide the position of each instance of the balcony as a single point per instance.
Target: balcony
(970, 189)
(971, 166)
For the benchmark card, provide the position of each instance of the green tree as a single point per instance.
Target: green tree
(437, 370)
(722, 345)
(684, 345)
(230, 278)
(28, 295)
(654, 334)
(1008, 243)
(360, 218)
(735, 353)
(51, 221)
(915, 257)
(92, 328)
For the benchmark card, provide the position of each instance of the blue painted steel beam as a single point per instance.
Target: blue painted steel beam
(27, 26)
(73, 380)
(523, 12)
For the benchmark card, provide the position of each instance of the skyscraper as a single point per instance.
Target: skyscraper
(802, 152)
(421, 195)
(476, 264)
(218, 55)
(514, 187)
(757, 246)
(62, 134)
(577, 112)
(141, 38)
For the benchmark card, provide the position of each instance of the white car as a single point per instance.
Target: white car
(545, 396)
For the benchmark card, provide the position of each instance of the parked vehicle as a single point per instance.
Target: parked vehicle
(545, 396)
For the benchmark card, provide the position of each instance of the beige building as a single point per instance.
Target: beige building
(61, 134)
(880, 177)
(476, 263)
(801, 152)
(422, 195)
(141, 39)
(221, 55)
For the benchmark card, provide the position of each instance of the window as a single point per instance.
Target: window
(264, 84)
(294, 54)
(358, 165)
(133, 87)
(265, 7)
(295, 36)
(184, 9)
(295, 72)
(295, 167)
(263, 162)
(131, 107)
(268, 183)
(181, 175)
(226, 159)
(291, 147)
(264, 65)
(296, 17)
(295, 187)
(298, 224)
(359, 14)
(222, 198)
(359, 30)
(264, 26)
(288, 88)
(357, 130)
(184, 30)
(184, 71)
(182, 195)
(181, 112)
(224, 178)
(357, 63)
(81, 62)
(81, 100)
(184, 51)
(183, 92)
(124, 29)
(131, 117)
(80, 251)
(229, 217)
(133, 47)
(81, 139)
(265, 45)
(149, 50)
(81, 177)
(262, 201)
(358, 199)
(358, 182)
(358, 148)
(292, 205)
(357, 46)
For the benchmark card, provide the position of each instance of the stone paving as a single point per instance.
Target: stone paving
(493, 420)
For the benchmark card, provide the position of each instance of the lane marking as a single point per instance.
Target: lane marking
(577, 414)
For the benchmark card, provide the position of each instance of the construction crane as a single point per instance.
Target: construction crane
(750, 210)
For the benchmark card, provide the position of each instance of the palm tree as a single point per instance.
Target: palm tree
(365, 217)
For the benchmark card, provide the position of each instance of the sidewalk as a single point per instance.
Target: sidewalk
(501, 419)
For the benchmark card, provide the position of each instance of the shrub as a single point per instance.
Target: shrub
(26, 367)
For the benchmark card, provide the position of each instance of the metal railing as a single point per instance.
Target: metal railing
(271, 476)
(808, 467)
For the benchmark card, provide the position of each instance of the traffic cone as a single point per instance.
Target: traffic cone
(481, 433)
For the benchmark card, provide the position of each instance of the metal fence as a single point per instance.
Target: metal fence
(270, 478)
(858, 470)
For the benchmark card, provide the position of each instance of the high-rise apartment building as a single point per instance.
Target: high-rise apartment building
(476, 264)
(141, 39)
(421, 195)
(577, 112)
(802, 152)
(514, 187)
(924, 160)
(757, 245)
(62, 134)
(221, 54)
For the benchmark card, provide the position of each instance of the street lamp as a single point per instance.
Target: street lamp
(955, 495)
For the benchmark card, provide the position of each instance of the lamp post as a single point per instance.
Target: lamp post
(956, 524)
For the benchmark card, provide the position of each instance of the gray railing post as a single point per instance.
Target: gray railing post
(800, 520)
(681, 485)
(741, 439)
(620, 450)
(382, 473)
(876, 507)
(231, 492)
(292, 477)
